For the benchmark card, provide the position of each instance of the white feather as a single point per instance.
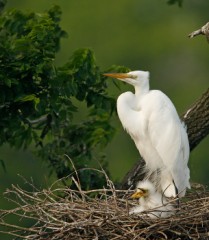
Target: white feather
(154, 204)
(152, 121)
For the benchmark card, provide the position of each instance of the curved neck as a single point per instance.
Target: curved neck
(141, 89)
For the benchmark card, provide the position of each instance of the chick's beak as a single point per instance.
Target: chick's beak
(118, 75)
(139, 193)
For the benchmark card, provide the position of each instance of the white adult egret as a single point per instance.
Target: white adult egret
(153, 123)
(151, 201)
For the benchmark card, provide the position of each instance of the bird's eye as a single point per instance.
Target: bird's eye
(133, 76)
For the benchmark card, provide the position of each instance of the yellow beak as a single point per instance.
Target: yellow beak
(118, 75)
(138, 194)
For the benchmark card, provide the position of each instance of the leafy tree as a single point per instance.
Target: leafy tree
(37, 99)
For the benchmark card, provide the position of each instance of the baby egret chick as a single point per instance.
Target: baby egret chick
(151, 201)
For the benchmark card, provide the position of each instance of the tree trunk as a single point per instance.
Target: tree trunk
(196, 119)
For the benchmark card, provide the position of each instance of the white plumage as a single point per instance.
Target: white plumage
(151, 119)
(153, 203)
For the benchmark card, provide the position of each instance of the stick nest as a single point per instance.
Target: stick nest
(63, 213)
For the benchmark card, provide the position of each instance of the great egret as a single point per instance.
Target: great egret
(151, 201)
(151, 119)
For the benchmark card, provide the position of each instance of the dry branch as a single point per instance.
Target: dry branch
(61, 213)
(204, 30)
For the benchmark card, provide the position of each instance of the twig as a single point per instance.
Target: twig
(76, 215)
(204, 30)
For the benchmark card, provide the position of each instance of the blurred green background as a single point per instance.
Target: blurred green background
(140, 34)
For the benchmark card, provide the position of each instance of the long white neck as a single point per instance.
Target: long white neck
(128, 105)
(142, 89)
(127, 112)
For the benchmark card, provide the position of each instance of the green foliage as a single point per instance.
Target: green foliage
(37, 99)
(28, 43)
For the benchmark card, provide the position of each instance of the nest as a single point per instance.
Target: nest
(102, 214)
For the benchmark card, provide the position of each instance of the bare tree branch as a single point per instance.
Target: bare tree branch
(196, 119)
(204, 30)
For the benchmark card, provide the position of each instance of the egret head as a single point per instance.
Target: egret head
(144, 189)
(134, 78)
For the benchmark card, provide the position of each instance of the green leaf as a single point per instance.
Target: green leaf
(29, 98)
